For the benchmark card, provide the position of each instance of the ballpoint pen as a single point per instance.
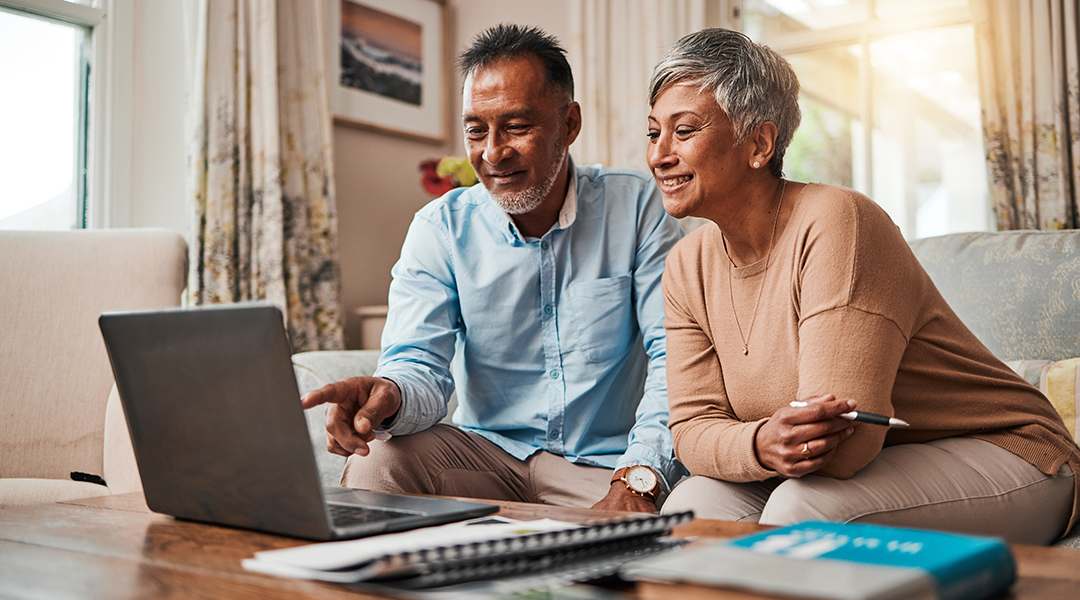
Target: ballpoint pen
(863, 417)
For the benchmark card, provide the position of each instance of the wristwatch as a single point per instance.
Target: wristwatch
(640, 480)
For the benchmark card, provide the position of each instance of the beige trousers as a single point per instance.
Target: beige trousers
(448, 461)
(956, 484)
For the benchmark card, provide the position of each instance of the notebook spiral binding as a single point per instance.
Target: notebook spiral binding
(594, 550)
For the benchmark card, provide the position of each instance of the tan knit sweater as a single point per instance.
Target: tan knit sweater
(846, 309)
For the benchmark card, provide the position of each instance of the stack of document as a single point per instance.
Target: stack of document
(352, 561)
(482, 549)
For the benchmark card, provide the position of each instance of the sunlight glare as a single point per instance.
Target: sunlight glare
(37, 114)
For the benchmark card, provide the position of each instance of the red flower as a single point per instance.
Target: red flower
(432, 182)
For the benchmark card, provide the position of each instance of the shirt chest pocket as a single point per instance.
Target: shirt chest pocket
(602, 317)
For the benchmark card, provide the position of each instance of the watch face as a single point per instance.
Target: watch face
(641, 479)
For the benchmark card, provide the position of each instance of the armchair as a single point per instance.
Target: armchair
(55, 403)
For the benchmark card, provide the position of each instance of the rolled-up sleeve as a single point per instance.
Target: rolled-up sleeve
(650, 441)
(421, 327)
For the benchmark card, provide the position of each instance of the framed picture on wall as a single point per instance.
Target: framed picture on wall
(386, 66)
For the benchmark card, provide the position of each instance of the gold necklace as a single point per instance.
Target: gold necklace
(731, 295)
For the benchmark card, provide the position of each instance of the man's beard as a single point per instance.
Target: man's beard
(526, 201)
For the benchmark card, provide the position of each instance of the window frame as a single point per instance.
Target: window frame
(861, 34)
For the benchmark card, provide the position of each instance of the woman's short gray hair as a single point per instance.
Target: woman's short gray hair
(751, 83)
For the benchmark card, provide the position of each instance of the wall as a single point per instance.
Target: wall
(377, 176)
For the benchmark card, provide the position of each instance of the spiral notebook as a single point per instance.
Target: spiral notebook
(490, 548)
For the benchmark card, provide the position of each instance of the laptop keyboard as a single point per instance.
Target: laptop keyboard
(346, 515)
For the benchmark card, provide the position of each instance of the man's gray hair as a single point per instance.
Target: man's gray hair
(751, 83)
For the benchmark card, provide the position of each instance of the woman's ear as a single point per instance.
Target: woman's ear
(762, 143)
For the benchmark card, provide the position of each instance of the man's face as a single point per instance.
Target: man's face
(517, 131)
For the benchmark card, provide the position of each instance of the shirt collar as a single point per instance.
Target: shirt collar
(569, 208)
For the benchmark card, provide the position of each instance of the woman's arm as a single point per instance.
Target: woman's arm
(858, 295)
(854, 355)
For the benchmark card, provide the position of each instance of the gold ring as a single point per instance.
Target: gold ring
(805, 450)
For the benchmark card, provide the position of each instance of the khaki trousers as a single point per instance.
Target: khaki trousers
(448, 461)
(956, 484)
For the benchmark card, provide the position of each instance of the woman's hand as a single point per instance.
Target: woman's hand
(800, 440)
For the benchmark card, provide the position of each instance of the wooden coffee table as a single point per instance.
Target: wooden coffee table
(113, 547)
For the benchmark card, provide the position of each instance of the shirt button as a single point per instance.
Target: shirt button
(554, 374)
(548, 310)
(544, 245)
(554, 435)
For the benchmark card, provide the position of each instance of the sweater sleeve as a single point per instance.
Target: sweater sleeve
(858, 295)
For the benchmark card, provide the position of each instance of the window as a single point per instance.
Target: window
(890, 104)
(45, 56)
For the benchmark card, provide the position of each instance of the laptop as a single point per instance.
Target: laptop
(220, 436)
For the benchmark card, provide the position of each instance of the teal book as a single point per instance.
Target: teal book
(843, 560)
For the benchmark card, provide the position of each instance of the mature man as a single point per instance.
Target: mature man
(543, 285)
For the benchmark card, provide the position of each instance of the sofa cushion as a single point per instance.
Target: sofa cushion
(16, 491)
(1017, 291)
(1057, 380)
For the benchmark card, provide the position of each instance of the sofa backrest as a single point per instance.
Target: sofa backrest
(1018, 291)
(55, 375)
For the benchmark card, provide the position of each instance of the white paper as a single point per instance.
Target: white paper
(352, 560)
(282, 570)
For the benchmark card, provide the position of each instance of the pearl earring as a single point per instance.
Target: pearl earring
(756, 164)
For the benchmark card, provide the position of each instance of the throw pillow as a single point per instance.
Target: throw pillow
(1057, 380)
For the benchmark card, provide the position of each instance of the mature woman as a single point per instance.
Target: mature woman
(799, 303)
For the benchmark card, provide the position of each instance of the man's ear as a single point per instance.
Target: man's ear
(762, 142)
(573, 122)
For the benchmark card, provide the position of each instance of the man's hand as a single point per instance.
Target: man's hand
(620, 498)
(356, 407)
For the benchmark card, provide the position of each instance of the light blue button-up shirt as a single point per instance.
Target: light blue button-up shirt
(558, 342)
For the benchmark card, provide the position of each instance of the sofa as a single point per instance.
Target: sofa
(1019, 292)
(59, 408)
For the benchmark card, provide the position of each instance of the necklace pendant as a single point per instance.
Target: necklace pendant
(761, 287)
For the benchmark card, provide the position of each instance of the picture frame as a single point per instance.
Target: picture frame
(387, 68)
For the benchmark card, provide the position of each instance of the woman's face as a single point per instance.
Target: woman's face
(692, 154)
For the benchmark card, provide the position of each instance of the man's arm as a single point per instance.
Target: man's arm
(650, 443)
(411, 387)
(422, 323)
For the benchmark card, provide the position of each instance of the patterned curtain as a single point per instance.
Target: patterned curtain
(265, 225)
(1030, 92)
(613, 48)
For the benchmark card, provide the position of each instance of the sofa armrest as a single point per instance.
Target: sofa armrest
(318, 368)
(121, 472)
(314, 370)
